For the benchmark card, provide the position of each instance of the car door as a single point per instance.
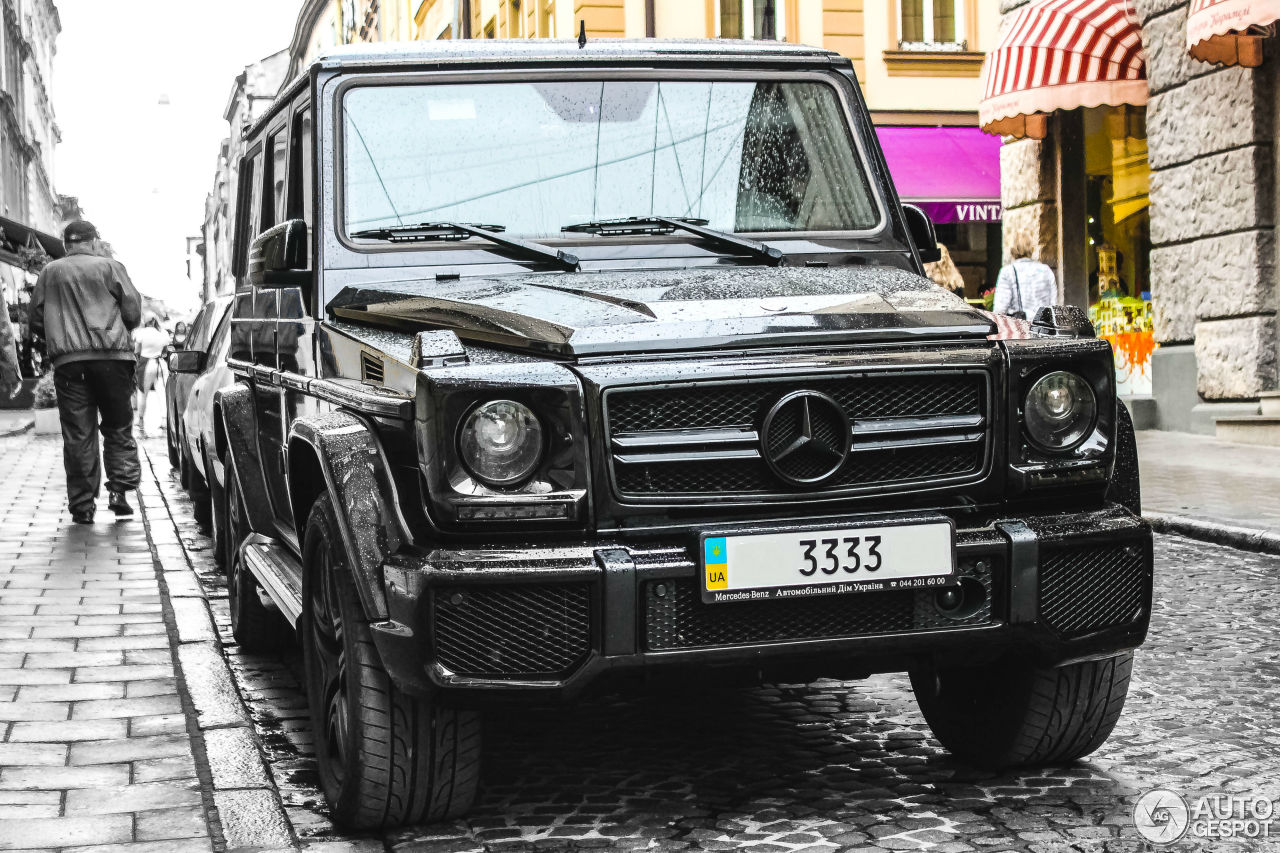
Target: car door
(295, 329)
(178, 385)
(197, 413)
(268, 391)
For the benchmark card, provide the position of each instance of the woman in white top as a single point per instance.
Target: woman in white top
(1025, 285)
(149, 341)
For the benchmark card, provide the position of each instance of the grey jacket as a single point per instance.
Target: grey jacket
(84, 305)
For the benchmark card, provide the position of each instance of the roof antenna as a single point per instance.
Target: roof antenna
(582, 33)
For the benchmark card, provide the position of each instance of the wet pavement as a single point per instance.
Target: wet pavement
(94, 741)
(833, 765)
(1211, 481)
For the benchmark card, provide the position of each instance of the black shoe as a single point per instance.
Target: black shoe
(84, 516)
(119, 504)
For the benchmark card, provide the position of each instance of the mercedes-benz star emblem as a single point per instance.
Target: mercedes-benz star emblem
(806, 438)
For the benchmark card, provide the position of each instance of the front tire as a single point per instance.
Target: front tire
(198, 489)
(1013, 713)
(255, 627)
(386, 758)
(218, 522)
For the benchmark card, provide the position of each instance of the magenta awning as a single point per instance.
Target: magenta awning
(953, 173)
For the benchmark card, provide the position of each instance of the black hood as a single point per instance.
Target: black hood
(637, 311)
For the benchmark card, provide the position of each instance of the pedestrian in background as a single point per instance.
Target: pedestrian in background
(10, 373)
(944, 273)
(179, 338)
(1025, 285)
(149, 343)
(85, 306)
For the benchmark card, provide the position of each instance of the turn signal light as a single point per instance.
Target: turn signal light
(542, 510)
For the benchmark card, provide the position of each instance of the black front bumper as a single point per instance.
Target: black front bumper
(553, 621)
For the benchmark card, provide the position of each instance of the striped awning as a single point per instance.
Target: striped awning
(1230, 32)
(1060, 55)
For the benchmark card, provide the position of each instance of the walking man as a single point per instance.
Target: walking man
(85, 306)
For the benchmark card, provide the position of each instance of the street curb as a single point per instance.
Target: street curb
(249, 815)
(1244, 538)
(27, 427)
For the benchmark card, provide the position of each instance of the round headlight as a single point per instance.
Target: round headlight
(501, 442)
(1059, 411)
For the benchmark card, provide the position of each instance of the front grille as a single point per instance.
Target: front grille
(745, 405)
(1087, 589)
(541, 630)
(660, 437)
(753, 476)
(678, 619)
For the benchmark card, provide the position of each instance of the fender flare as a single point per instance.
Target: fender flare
(1125, 487)
(234, 406)
(357, 476)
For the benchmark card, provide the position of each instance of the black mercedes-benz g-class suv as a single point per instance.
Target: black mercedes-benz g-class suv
(561, 368)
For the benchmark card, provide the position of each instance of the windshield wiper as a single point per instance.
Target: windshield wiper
(771, 255)
(461, 230)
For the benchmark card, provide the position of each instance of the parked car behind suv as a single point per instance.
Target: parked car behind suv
(186, 363)
(202, 367)
(559, 368)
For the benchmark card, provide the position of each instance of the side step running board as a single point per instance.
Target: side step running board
(279, 572)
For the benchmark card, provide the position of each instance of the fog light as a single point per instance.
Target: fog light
(949, 599)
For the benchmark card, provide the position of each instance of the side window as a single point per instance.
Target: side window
(248, 209)
(301, 189)
(254, 220)
(278, 148)
(198, 334)
(217, 341)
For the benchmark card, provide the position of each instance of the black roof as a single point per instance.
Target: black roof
(408, 55)
(565, 50)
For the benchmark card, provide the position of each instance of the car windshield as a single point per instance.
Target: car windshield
(535, 157)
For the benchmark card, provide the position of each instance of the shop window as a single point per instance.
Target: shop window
(931, 25)
(1117, 230)
(751, 19)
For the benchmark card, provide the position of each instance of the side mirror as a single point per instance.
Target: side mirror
(278, 256)
(922, 234)
(187, 361)
(1062, 321)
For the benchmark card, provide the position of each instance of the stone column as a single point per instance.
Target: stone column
(1028, 186)
(1028, 191)
(1210, 133)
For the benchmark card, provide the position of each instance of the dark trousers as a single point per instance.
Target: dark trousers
(87, 390)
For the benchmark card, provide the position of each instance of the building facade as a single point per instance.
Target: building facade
(253, 91)
(30, 212)
(1158, 209)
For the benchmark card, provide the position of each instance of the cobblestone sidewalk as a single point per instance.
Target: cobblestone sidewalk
(826, 767)
(1207, 487)
(96, 746)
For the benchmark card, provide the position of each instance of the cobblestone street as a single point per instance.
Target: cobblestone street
(105, 745)
(832, 765)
